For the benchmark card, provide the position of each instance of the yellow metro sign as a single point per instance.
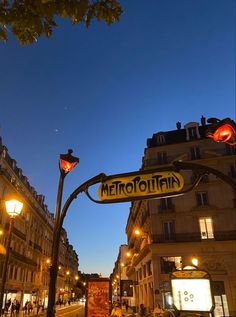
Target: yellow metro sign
(141, 185)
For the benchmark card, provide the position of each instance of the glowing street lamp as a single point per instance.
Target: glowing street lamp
(222, 131)
(13, 208)
(141, 233)
(67, 163)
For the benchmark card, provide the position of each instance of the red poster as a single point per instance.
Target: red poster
(98, 298)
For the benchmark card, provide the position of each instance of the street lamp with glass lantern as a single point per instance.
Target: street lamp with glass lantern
(13, 208)
(67, 163)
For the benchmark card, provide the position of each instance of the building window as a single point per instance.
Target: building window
(15, 273)
(192, 133)
(206, 228)
(221, 304)
(166, 204)
(230, 150)
(202, 199)
(195, 153)
(140, 274)
(232, 172)
(161, 139)
(149, 268)
(169, 230)
(162, 158)
(11, 272)
(144, 271)
(170, 264)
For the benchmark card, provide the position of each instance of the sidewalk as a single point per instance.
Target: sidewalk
(34, 312)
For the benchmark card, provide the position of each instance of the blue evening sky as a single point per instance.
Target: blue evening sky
(103, 91)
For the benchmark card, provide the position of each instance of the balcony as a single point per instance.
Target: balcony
(22, 258)
(19, 234)
(37, 247)
(194, 237)
(225, 235)
(178, 237)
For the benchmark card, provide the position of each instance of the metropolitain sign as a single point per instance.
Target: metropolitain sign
(140, 185)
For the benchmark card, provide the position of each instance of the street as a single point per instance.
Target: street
(75, 310)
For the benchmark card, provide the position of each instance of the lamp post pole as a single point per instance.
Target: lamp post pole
(14, 208)
(66, 163)
(120, 286)
(5, 265)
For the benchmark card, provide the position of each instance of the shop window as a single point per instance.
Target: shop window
(170, 264)
(221, 304)
(195, 153)
(202, 199)
(169, 230)
(206, 228)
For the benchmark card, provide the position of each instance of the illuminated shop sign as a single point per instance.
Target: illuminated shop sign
(140, 185)
(191, 291)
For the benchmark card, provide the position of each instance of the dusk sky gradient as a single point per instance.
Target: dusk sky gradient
(103, 91)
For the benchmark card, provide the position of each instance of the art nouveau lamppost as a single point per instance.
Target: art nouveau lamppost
(13, 208)
(67, 162)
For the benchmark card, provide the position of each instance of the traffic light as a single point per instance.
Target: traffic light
(222, 130)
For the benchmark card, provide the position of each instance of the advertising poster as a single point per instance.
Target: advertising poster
(192, 295)
(98, 296)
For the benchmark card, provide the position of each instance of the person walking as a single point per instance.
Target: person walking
(116, 311)
(142, 310)
(158, 311)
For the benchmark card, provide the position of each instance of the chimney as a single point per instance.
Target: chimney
(203, 120)
(178, 125)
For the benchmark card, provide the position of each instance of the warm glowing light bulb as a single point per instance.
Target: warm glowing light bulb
(137, 232)
(128, 254)
(13, 207)
(67, 272)
(195, 261)
(67, 166)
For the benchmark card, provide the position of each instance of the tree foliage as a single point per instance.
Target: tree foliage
(29, 19)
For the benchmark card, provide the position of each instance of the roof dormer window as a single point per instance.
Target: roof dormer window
(161, 138)
(192, 131)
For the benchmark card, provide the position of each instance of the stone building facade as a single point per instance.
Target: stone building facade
(29, 262)
(199, 224)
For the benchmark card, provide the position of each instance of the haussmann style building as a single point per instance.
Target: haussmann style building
(200, 224)
(30, 249)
